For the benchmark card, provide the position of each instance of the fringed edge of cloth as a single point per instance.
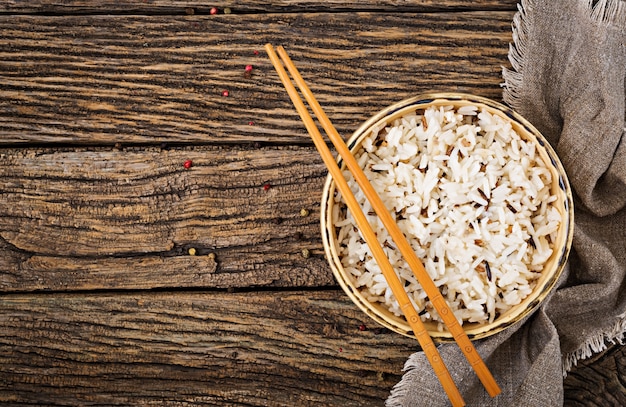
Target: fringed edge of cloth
(399, 391)
(596, 344)
(513, 78)
(609, 12)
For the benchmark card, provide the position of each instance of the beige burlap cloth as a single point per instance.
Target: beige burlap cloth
(567, 78)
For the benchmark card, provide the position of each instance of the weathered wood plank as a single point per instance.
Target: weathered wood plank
(245, 6)
(256, 349)
(102, 218)
(269, 348)
(134, 79)
(598, 381)
(91, 219)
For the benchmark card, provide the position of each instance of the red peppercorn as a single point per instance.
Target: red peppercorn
(188, 164)
(213, 10)
(340, 349)
(266, 187)
(362, 327)
(251, 123)
(225, 93)
(256, 52)
(249, 68)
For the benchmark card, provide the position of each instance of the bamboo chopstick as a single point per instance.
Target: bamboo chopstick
(416, 266)
(369, 235)
(398, 237)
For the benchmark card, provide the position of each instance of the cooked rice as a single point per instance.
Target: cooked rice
(472, 197)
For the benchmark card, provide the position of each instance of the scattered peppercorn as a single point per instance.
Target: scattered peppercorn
(212, 256)
(118, 146)
(188, 164)
(213, 10)
(256, 52)
(251, 123)
(190, 11)
(192, 251)
(225, 93)
(340, 349)
(298, 235)
(304, 212)
(306, 253)
(362, 327)
(227, 10)
(266, 187)
(247, 74)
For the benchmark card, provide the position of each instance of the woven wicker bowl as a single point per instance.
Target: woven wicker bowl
(552, 268)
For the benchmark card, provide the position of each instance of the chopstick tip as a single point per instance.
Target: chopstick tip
(268, 47)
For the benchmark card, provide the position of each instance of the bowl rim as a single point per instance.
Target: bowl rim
(532, 301)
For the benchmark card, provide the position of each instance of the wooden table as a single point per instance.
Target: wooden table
(101, 104)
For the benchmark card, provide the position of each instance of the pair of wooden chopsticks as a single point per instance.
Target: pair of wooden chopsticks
(369, 235)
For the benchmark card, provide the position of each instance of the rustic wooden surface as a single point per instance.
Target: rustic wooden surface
(101, 104)
(147, 79)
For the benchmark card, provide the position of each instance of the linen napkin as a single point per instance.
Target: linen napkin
(568, 79)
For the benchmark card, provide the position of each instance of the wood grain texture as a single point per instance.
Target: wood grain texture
(599, 380)
(244, 6)
(214, 348)
(100, 301)
(134, 79)
(110, 219)
(298, 348)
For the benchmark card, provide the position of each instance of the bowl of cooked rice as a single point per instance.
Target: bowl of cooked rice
(481, 197)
